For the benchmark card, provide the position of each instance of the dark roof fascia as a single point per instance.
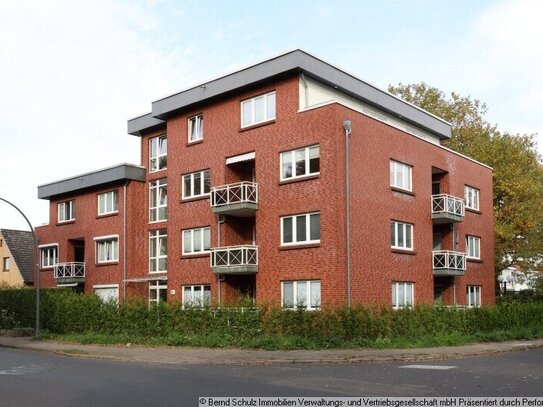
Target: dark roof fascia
(22, 248)
(142, 123)
(97, 178)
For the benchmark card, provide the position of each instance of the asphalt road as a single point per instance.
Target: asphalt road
(29, 378)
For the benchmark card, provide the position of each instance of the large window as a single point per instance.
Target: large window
(158, 292)
(401, 235)
(196, 128)
(196, 184)
(108, 203)
(300, 163)
(196, 295)
(473, 296)
(158, 153)
(400, 175)
(66, 211)
(301, 229)
(196, 240)
(258, 109)
(473, 247)
(402, 295)
(6, 264)
(158, 200)
(471, 195)
(49, 256)
(107, 249)
(301, 294)
(158, 251)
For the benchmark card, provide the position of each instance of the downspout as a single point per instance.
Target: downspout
(347, 127)
(124, 239)
(219, 221)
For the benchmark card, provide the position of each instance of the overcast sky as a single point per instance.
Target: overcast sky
(72, 72)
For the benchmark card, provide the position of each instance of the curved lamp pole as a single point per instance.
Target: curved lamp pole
(37, 271)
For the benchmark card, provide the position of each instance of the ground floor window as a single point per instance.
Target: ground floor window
(301, 294)
(158, 292)
(402, 294)
(196, 295)
(107, 293)
(473, 296)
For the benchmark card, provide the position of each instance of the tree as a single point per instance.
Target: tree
(517, 176)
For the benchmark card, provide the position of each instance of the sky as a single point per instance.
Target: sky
(73, 72)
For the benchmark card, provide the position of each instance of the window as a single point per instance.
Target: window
(196, 295)
(196, 240)
(196, 128)
(66, 211)
(196, 184)
(158, 148)
(6, 264)
(258, 109)
(473, 247)
(400, 175)
(401, 235)
(402, 295)
(107, 249)
(473, 296)
(158, 200)
(158, 251)
(301, 294)
(109, 294)
(49, 256)
(158, 292)
(471, 195)
(108, 203)
(300, 163)
(300, 229)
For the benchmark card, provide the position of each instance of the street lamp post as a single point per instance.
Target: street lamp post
(36, 265)
(504, 280)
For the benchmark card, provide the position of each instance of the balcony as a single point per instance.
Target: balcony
(448, 263)
(234, 259)
(239, 199)
(447, 209)
(69, 273)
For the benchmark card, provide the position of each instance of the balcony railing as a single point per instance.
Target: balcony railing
(240, 199)
(447, 209)
(234, 259)
(69, 272)
(448, 263)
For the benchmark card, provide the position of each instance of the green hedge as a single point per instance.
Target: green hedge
(66, 313)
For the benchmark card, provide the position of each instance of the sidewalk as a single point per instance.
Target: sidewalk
(184, 355)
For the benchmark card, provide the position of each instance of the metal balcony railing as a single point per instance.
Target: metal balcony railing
(448, 204)
(446, 262)
(234, 259)
(69, 270)
(236, 196)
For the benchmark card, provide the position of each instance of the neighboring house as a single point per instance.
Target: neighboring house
(513, 279)
(17, 249)
(245, 188)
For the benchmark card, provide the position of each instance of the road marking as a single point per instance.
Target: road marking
(430, 367)
(20, 370)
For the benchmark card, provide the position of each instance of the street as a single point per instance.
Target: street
(36, 378)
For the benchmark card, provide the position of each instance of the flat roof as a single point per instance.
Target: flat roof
(296, 61)
(117, 173)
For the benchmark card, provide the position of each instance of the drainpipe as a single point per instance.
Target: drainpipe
(219, 221)
(347, 127)
(124, 239)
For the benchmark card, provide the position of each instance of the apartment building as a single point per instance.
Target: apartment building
(293, 182)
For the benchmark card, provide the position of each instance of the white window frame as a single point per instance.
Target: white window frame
(196, 128)
(308, 239)
(189, 246)
(156, 237)
(192, 302)
(404, 182)
(403, 289)
(101, 286)
(268, 114)
(110, 244)
(473, 296)
(191, 176)
(155, 188)
(43, 257)
(473, 247)
(471, 196)
(394, 238)
(156, 160)
(158, 286)
(66, 211)
(6, 264)
(110, 202)
(306, 303)
(291, 156)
